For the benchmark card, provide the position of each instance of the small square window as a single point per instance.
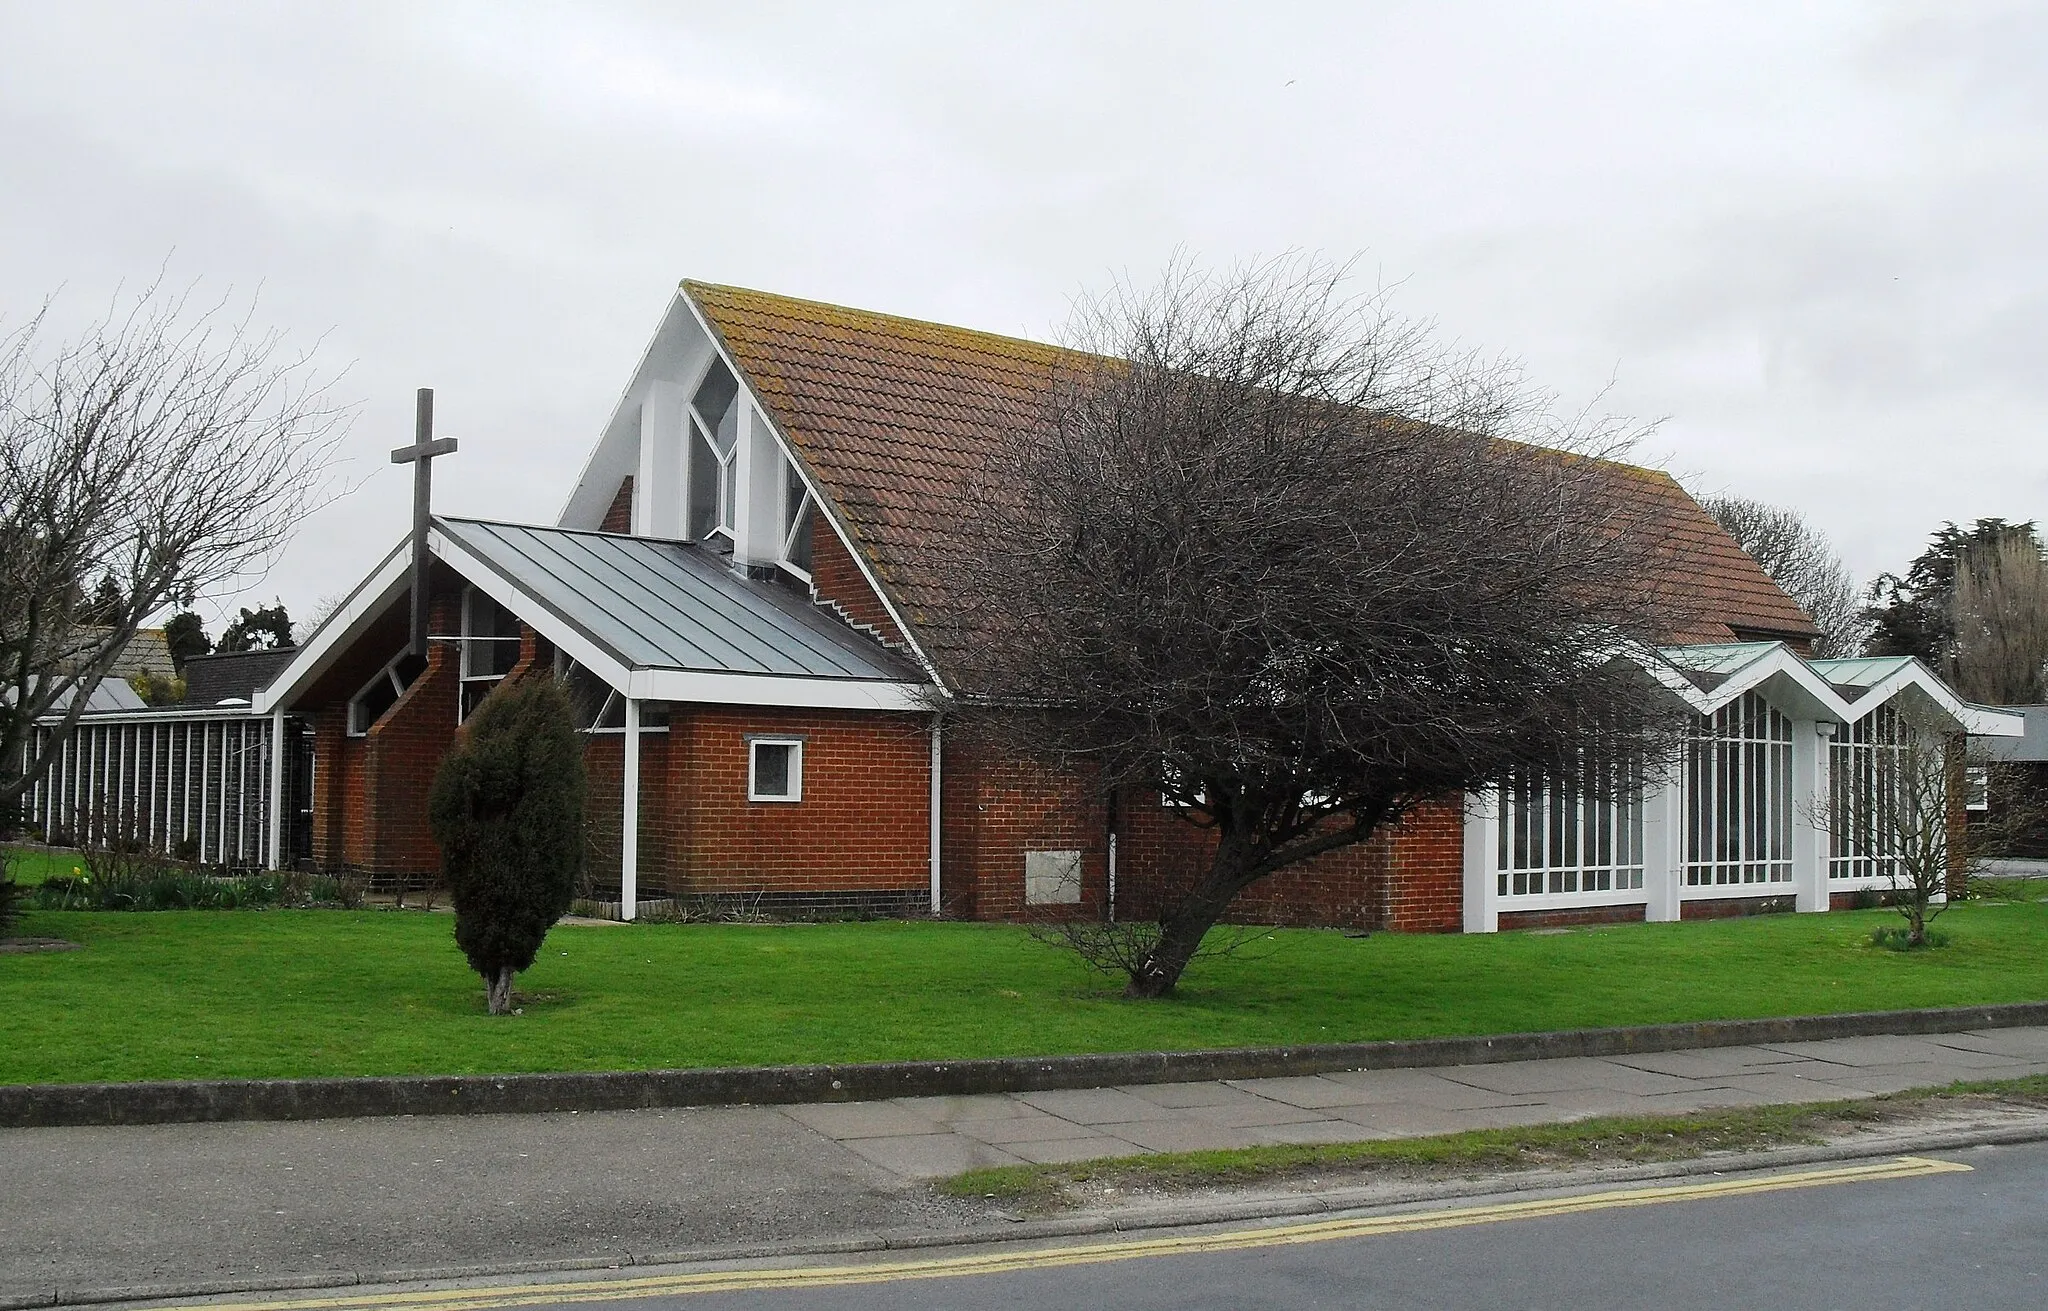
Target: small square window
(775, 770)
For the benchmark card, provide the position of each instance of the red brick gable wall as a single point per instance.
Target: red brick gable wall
(619, 518)
(838, 584)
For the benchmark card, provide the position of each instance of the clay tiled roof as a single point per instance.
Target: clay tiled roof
(894, 415)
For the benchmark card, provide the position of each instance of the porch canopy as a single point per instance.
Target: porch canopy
(655, 620)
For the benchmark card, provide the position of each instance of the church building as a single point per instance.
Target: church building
(746, 597)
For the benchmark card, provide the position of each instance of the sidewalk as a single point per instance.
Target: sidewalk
(929, 1137)
(169, 1209)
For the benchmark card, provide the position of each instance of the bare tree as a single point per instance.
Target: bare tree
(170, 448)
(1896, 813)
(1278, 555)
(1999, 612)
(1800, 559)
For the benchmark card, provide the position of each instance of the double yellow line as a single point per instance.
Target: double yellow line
(489, 1298)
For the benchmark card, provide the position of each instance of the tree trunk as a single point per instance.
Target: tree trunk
(1182, 929)
(498, 991)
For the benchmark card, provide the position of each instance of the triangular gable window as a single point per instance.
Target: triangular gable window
(798, 509)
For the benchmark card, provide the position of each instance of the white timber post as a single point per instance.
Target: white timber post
(629, 835)
(1810, 817)
(1482, 906)
(277, 789)
(1664, 845)
(657, 501)
(935, 800)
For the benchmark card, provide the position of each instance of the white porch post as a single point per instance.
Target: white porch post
(276, 856)
(1810, 817)
(1482, 906)
(935, 832)
(1664, 845)
(629, 835)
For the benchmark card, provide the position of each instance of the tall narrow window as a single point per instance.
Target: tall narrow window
(714, 456)
(797, 513)
(490, 647)
(1738, 795)
(381, 693)
(1865, 775)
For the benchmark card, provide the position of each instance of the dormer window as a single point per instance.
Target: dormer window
(714, 456)
(798, 509)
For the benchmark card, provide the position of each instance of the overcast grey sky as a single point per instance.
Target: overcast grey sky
(1813, 236)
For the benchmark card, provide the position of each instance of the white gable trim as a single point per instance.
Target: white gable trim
(338, 631)
(1782, 675)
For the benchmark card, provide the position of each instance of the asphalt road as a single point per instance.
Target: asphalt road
(1974, 1238)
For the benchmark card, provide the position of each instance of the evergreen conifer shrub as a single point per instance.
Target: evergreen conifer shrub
(507, 810)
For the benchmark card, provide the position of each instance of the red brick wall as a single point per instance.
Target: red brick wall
(1425, 871)
(838, 584)
(619, 518)
(996, 810)
(1726, 908)
(1547, 919)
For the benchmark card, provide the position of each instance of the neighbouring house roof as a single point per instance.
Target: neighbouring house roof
(894, 416)
(230, 675)
(148, 652)
(654, 604)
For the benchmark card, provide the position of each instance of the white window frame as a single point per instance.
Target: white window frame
(469, 640)
(1739, 815)
(1552, 847)
(1977, 788)
(388, 672)
(726, 514)
(793, 520)
(796, 767)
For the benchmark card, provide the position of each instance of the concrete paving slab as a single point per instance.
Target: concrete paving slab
(1037, 1127)
(1311, 1092)
(1708, 1062)
(1093, 1106)
(1776, 1087)
(1586, 1103)
(1882, 1049)
(1534, 1078)
(928, 1156)
(1186, 1136)
(1254, 1111)
(1418, 1088)
(1702, 1099)
(1180, 1096)
(1394, 1120)
(1065, 1150)
(947, 1110)
(1905, 1075)
(843, 1121)
(2029, 1043)
(1318, 1131)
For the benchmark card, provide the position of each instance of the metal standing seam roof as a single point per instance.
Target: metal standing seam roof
(666, 605)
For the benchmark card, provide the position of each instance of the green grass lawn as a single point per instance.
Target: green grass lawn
(29, 866)
(199, 994)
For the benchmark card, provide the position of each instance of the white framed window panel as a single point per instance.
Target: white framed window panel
(1739, 793)
(1867, 758)
(1554, 846)
(775, 769)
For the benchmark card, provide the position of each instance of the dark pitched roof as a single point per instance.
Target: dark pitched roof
(893, 415)
(226, 675)
(656, 604)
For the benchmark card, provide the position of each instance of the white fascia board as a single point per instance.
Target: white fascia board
(576, 489)
(338, 630)
(1794, 675)
(579, 645)
(1991, 721)
(1997, 723)
(775, 690)
(1667, 675)
(824, 504)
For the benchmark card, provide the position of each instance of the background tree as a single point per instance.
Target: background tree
(1268, 550)
(170, 446)
(1998, 613)
(507, 810)
(1800, 559)
(185, 634)
(1911, 613)
(266, 629)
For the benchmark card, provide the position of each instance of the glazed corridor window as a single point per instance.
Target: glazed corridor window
(714, 455)
(1738, 796)
(775, 769)
(490, 647)
(1864, 796)
(1553, 838)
